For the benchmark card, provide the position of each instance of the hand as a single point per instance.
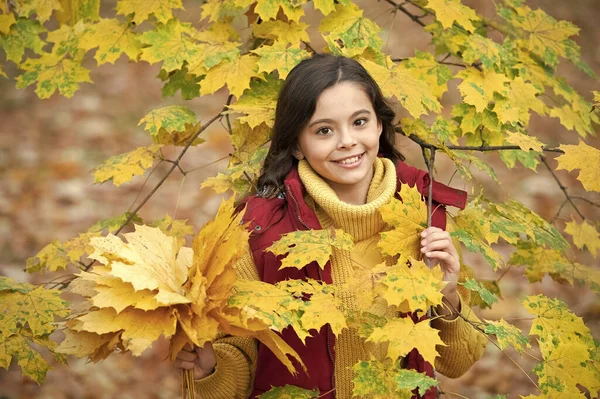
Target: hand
(437, 245)
(202, 360)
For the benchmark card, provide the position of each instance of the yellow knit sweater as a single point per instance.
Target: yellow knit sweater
(236, 357)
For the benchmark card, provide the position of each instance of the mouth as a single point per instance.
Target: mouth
(350, 160)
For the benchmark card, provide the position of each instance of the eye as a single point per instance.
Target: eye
(324, 131)
(360, 122)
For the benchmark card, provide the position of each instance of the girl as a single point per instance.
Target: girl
(332, 162)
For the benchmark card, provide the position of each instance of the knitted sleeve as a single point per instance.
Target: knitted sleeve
(236, 356)
(465, 344)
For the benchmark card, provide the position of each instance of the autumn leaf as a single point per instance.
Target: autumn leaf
(247, 140)
(114, 223)
(292, 32)
(239, 177)
(235, 73)
(306, 246)
(478, 88)
(258, 103)
(58, 255)
(584, 234)
(414, 94)
(413, 287)
(450, 11)
(174, 228)
(429, 70)
(383, 380)
(348, 24)
(6, 21)
(409, 219)
(520, 97)
(52, 73)
(524, 141)
(122, 168)
(174, 124)
(403, 335)
(112, 39)
(279, 57)
(507, 335)
(161, 9)
(31, 362)
(43, 8)
(268, 9)
(473, 285)
(584, 157)
(290, 392)
(490, 53)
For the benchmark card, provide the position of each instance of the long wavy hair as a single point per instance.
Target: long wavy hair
(296, 104)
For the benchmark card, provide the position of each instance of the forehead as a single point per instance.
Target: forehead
(341, 99)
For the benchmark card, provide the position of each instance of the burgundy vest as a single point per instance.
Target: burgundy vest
(269, 219)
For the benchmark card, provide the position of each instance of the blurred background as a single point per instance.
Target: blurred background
(48, 148)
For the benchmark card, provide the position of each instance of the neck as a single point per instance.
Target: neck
(355, 194)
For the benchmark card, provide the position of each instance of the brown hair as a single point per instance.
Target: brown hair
(297, 103)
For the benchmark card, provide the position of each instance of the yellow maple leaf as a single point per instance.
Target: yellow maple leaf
(306, 246)
(292, 33)
(520, 98)
(140, 328)
(247, 140)
(450, 11)
(43, 8)
(429, 70)
(524, 141)
(53, 72)
(6, 21)
(235, 73)
(218, 32)
(161, 9)
(174, 124)
(408, 218)
(280, 57)
(584, 234)
(596, 100)
(268, 9)
(174, 228)
(478, 87)
(573, 119)
(507, 335)
(149, 260)
(121, 168)
(31, 362)
(414, 94)
(584, 157)
(112, 39)
(258, 103)
(403, 335)
(31, 306)
(413, 288)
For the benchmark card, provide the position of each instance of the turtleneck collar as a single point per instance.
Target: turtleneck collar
(361, 221)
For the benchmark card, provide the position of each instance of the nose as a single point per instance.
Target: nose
(346, 139)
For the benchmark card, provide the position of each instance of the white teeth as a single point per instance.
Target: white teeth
(350, 160)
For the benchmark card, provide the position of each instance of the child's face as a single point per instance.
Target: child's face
(341, 139)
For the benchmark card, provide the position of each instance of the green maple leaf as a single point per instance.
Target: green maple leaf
(161, 9)
(472, 285)
(180, 80)
(430, 71)
(52, 73)
(23, 34)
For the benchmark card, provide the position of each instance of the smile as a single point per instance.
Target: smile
(350, 161)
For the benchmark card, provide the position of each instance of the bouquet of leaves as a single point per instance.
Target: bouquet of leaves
(151, 285)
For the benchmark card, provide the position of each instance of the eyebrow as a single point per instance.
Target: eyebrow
(360, 111)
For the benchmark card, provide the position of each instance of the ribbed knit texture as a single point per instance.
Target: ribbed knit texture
(236, 357)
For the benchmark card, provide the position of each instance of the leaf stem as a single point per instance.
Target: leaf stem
(563, 188)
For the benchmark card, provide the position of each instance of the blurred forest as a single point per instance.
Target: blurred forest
(48, 148)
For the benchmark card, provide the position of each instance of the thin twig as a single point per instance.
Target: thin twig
(563, 188)
(412, 16)
(586, 200)
(164, 178)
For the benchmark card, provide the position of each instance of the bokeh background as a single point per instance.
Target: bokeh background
(49, 147)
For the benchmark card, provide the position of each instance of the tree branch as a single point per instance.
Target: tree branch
(415, 18)
(563, 188)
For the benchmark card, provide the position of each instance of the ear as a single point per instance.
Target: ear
(379, 126)
(297, 153)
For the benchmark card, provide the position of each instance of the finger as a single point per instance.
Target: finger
(438, 235)
(437, 246)
(187, 356)
(180, 364)
(430, 230)
(440, 255)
